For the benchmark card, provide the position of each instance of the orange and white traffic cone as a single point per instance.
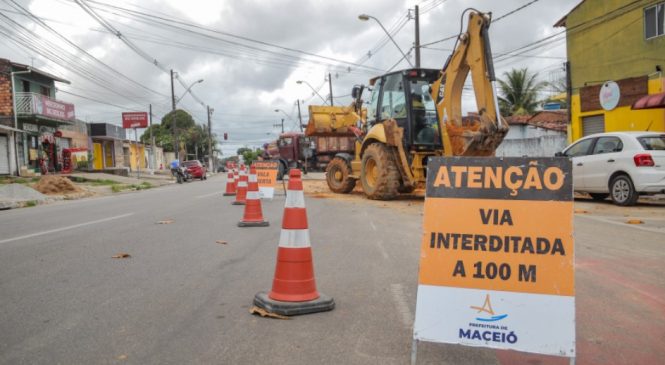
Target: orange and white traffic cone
(294, 287)
(241, 190)
(230, 184)
(253, 215)
(236, 178)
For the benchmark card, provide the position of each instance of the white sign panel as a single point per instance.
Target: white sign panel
(493, 271)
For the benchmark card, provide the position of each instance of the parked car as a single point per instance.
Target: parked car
(195, 169)
(622, 165)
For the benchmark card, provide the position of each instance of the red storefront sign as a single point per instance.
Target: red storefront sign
(135, 120)
(53, 109)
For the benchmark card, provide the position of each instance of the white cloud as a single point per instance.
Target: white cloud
(243, 85)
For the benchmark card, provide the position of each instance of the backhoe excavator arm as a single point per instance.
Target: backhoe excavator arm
(472, 54)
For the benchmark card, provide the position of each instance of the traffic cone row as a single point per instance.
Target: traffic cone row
(294, 286)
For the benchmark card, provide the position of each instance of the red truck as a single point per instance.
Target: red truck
(291, 150)
(296, 150)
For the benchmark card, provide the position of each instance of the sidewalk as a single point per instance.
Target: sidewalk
(155, 180)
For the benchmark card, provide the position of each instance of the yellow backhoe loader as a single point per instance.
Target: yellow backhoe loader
(416, 113)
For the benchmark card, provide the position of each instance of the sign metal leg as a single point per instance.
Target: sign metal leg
(414, 351)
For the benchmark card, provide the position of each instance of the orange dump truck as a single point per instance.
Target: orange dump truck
(331, 128)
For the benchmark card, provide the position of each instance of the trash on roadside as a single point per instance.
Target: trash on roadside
(581, 211)
(121, 255)
(166, 221)
(635, 221)
(263, 313)
(222, 242)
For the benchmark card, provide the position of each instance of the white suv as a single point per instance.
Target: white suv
(622, 165)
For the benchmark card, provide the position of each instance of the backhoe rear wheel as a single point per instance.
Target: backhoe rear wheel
(337, 176)
(379, 175)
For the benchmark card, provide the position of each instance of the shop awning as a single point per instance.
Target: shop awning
(11, 129)
(651, 101)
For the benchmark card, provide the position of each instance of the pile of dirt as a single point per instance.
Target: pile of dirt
(56, 185)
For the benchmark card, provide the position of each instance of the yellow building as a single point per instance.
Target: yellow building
(137, 155)
(616, 56)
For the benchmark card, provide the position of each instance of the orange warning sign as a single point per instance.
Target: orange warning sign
(266, 175)
(500, 224)
(497, 255)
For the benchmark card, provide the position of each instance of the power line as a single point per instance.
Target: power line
(169, 21)
(493, 21)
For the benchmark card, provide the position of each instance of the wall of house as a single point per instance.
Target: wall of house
(6, 101)
(521, 131)
(542, 146)
(134, 152)
(605, 41)
(78, 133)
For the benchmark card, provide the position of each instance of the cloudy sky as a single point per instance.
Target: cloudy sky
(251, 53)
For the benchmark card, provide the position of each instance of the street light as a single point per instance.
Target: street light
(176, 101)
(285, 113)
(365, 17)
(189, 89)
(299, 82)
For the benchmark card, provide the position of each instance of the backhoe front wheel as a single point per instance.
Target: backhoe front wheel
(337, 176)
(379, 175)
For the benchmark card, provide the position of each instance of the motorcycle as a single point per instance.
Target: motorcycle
(181, 174)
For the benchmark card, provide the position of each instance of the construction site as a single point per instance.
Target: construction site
(465, 212)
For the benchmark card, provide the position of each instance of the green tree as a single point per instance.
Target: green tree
(163, 138)
(518, 92)
(242, 150)
(193, 137)
(250, 156)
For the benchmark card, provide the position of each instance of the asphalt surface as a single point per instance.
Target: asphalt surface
(182, 298)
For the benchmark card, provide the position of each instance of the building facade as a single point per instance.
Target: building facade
(107, 152)
(616, 56)
(31, 119)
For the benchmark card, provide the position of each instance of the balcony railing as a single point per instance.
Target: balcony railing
(40, 105)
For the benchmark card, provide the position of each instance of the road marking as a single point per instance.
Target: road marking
(66, 228)
(397, 290)
(379, 243)
(622, 224)
(207, 195)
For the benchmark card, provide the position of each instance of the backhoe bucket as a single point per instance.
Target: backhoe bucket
(478, 138)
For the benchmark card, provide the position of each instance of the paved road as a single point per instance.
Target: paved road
(182, 298)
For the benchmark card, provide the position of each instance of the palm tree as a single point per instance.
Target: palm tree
(519, 92)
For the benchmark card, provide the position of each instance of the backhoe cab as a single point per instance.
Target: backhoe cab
(417, 113)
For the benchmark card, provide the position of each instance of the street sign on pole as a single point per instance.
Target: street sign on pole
(134, 120)
(497, 255)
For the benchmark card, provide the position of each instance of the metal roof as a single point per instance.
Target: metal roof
(40, 72)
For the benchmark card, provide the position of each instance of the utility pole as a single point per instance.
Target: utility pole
(299, 115)
(417, 45)
(175, 129)
(210, 149)
(278, 125)
(153, 155)
(330, 85)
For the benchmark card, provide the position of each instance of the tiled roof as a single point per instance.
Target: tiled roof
(550, 119)
(518, 119)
